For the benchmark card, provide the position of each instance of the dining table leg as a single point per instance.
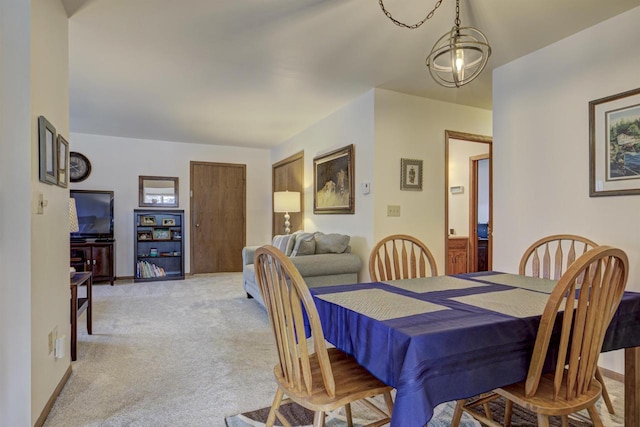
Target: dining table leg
(632, 386)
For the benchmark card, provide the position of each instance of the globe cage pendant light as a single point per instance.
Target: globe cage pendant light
(459, 56)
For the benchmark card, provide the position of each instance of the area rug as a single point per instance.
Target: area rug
(301, 417)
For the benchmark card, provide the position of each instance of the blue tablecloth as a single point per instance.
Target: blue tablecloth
(463, 335)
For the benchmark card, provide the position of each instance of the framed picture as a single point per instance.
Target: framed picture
(333, 177)
(47, 151)
(63, 161)
(168, 221)
(144, 235)
(161, 234)
(614, 145)
(411, 174)
(176, 235)
(147, 220)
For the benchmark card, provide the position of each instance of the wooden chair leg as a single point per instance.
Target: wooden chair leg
(605, 393)
(318, 419)
(389, 401)
(347, 410)
(543, 420)
(274, 408)
(487, 411)
(508, 410)
(565, 421)
(457, 413)
(595, 417)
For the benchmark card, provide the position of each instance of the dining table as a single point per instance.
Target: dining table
(444, 338)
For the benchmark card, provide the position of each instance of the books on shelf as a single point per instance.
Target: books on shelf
(145, 269)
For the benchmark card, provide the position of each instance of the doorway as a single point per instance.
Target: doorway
(468, 211)
(288, 175)
(218, 211)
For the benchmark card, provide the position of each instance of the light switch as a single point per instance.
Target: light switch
(393, 210)
(366, 187)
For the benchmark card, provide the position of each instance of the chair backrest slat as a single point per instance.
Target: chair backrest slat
(587, 310)
(410, 259)
(287, 298)
(536, 260)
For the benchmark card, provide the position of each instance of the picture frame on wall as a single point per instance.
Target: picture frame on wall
(410, 174)
(63, 162)
(614, 145)
(333, 178)
(48, 152)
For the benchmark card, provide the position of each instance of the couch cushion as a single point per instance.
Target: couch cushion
(331, 243)
(305, 245)
(284, 242)
(327, 264)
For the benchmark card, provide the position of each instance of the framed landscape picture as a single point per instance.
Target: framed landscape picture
(333, 177)
(614, 145)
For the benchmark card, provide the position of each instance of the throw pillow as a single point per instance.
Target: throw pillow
(284, 242)
(305, 245)
(331, 243)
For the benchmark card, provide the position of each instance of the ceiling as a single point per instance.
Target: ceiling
(254, 73)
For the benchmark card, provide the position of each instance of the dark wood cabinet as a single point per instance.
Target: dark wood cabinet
(457, 258)
(158, 246)
(483, 255)
(95, 256)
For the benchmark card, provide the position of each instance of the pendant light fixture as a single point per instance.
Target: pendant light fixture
(459, 56)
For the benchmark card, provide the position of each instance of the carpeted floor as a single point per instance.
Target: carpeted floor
(176, 353)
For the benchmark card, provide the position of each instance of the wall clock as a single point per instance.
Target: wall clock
(79, 167)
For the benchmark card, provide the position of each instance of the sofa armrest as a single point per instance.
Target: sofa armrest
(247, 254)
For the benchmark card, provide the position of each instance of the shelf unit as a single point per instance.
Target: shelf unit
(158, 245)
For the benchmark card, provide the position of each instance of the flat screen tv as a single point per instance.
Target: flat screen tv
(95, 214)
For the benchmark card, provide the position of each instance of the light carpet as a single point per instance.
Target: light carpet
(177, 353)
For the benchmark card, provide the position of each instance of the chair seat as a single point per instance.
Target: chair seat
(353, 382)
(541, 403)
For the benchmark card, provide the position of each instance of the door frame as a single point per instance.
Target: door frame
(450, 134)
(473, 209)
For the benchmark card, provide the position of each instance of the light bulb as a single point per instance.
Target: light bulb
(459, 60)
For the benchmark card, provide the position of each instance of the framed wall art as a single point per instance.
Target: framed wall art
(614, 145)
(411, 174)
(333, 178)
(63, 162)
(48, 152)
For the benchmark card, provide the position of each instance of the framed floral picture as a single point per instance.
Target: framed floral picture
(333, 177)
(411, 174)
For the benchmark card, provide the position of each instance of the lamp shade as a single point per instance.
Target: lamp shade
(286, 201)
(73, 216)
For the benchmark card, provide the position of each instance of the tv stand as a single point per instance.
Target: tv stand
(97, 256)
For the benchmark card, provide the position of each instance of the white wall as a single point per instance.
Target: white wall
(15, 214)
(352, 124)
(49, 232)
(117, 163)
(541, 146)
(413, 127)
(459, 153)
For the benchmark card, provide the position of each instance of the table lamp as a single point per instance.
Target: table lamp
(286, 201)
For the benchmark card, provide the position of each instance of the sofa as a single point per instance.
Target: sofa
(322, 260)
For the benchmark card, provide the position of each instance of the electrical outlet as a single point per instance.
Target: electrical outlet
(393, 210)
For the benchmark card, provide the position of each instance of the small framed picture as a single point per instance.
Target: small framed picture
(63, 160)
(48, 152)
(168, 221)
(147, 220)
(411, 174)
(161, 234)
(176, 235)
(144, 235)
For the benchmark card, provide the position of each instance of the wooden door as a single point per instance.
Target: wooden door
(218, 206)
(288, 174)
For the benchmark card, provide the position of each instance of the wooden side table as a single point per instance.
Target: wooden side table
(79, 305)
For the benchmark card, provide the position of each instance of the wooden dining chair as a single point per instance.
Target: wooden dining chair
(536, 262)
(401, 256)
(322, 379)
(590, 289)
